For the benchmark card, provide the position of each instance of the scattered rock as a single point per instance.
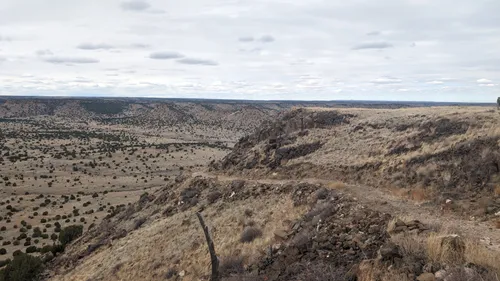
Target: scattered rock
(440, 275)
(280, 235)
(389, 252)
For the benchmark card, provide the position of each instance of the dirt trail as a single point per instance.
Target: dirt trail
(382, 201)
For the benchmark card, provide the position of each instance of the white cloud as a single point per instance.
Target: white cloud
(246, 39)
(372, 45)
(70, 60)
(483, 81)
(386, 80)
(266, 39)
(165, 55)
(135, 5)
(254, 48)
(195, 61)
(45, 52)
(91, 46)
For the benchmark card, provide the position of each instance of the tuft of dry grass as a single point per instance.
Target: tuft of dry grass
(449, 249)
(496, 191)
(418, 194)
(411, 244)
(336, 185)
(370, 270)
(249, 234)
(446, 249)
(231, 265)
(479, 254)
(446, 246)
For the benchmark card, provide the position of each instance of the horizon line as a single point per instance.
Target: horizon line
(240, 100)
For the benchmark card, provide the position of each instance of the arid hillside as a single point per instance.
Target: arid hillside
(440, 153)
(223, 121)
(318, 194)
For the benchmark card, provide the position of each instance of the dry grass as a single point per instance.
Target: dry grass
(418, 194)
(496, 191)
(231, 265)
(477, 253)
(446, 249)
(183, 247)
(410, 244)
(336, 185)
(249, 234)
(370, 270)
(446, 245)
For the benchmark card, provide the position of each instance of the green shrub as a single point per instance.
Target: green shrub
(5, 262)
(17, 253)
(31, 249)
(3, 251)
(23, 268)
(52, 248)
(70, 233)
(46, 249)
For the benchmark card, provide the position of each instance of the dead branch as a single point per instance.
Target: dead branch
(213, 257)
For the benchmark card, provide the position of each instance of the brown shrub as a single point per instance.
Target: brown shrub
(213, 196)
(249, 234)
(231, 265)
(248, 212)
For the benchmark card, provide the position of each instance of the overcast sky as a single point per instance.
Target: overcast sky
(436, 50)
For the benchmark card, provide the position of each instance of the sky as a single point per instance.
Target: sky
(420, 50)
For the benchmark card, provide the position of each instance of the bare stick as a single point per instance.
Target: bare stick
(213, 257)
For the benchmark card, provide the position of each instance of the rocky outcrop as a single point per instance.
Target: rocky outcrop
(276, 142)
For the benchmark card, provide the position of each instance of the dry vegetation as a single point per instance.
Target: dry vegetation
(77, 162)
(317, 194)
(422, 154)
